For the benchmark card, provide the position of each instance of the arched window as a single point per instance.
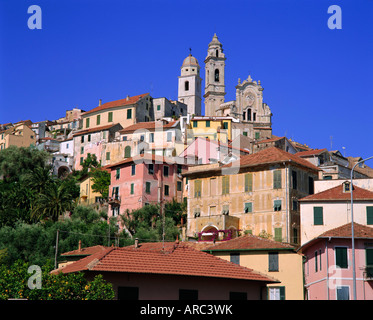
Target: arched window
(248, 114)
(127, 152)
(217, 53)
(186, 87)
(217, 75)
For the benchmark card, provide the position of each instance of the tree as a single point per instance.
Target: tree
(101, 181)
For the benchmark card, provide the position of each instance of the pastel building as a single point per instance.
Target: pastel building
(328, 268)
(142, 180)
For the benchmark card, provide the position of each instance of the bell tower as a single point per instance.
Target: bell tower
(190, 85)
(214, 83)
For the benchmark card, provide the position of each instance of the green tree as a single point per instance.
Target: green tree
(101, 181)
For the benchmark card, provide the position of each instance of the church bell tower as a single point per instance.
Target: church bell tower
(214, 83)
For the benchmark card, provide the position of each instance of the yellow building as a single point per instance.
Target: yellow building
(19, 135)
(87, 195)
(126, 112)
(213, 128)
(258, 194)
(275, 259)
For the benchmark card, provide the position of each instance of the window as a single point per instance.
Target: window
(87, 123)
(248, 114)
(294, 179)
(151, 137)
(278, 234)
(237, 295)
(248, 182)
(295, 235)
(166, 190)
(272, 261)
(89, 138)
(133, 170)
(318, 219)
(82, 139)
(117, 175)
(179, 168)
(343, 293)
(81, 160)
(128, 293)
(127, 152)
(150, 168)
(81, 150)
(277, 205)
(316, 265)
(110, 117)
(165, 171)
(225, 185)
(115, 211)
(186, 85)
(310, 185)
(129, 113)
(217, 75)
(147, 187)
(188, 294)
(295, 205)
(208, 124)
(225, 125)
(369, 262)
(132, 188)
(169, 136)
(277, 179)
(197, 188)
(369, 215)
(254, 116)
(235, 258)
(341, 257)
(245, 133)
(225, 210)
(115, 193)
(257, 135)
(248, 207)
(98, 119)
(107, 155)
(158, 107)
(195, 124)
(276, 293)
(217, 53)
(124, 138)
(179, 186)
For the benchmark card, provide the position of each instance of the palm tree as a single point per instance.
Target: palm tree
(54, 202)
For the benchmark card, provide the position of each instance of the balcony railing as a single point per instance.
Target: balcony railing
(114, 200)
(368, 273)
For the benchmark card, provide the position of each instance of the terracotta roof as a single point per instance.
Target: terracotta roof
(178, 260)
(249, 242)
(147, 158)
(151, 126)
(310, 152)
(117, 103)
(360, 231)
(96, 129)
(337, 194)
(268, 156)
(269, 140)
(85, 251)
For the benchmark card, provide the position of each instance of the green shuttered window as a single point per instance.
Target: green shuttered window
(277, 179)
(248, 182)
(341, 257)
(318, 218)
(369, 215)
(225, 185)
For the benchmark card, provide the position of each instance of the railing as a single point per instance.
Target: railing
(115, 200)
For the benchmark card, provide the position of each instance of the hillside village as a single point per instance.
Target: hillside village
(267, 217)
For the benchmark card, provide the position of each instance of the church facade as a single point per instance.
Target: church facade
(253, 114)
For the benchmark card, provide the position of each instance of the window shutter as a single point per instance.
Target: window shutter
(273, 261)
(341, 257)
(277, 179)
(225, 185)
(235, 258)
(278, 234)
(147, 187)
(248, 182)
(248, 207)
(132, 188)
(369, 215)
(282, 293)
(318, 216)
(369, 256)
(110, 116)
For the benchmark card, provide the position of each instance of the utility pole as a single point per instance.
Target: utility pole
(56, 252)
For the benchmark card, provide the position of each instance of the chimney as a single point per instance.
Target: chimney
(136, 243)
(99, 102)
(128, 98)
(80, 245)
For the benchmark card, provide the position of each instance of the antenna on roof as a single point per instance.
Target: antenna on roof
(190, 51)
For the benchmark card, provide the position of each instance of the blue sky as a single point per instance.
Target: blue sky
(316, 81)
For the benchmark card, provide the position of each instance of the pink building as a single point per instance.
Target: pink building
(328, 264)
(142, 180)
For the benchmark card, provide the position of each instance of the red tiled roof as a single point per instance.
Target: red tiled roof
(117, 103)
(270, 140)
(268, 156)
(177, 260)
(85, 251)
(336, 193)
(147, 158)
(310, 152)
(96, 129)
(249, 242)
(360, 231)
(151, 126)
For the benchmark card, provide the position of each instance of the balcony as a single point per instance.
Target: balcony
(114, 200)
(368, 273)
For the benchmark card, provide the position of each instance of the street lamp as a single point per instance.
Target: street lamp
(352, 226)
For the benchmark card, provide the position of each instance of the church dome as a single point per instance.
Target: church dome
(190, 61)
